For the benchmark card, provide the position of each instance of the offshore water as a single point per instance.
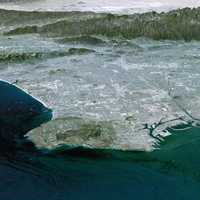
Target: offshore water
(124, 90)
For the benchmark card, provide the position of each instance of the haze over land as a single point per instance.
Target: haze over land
(121, 6)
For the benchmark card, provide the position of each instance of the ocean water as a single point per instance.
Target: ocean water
(123, 83)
